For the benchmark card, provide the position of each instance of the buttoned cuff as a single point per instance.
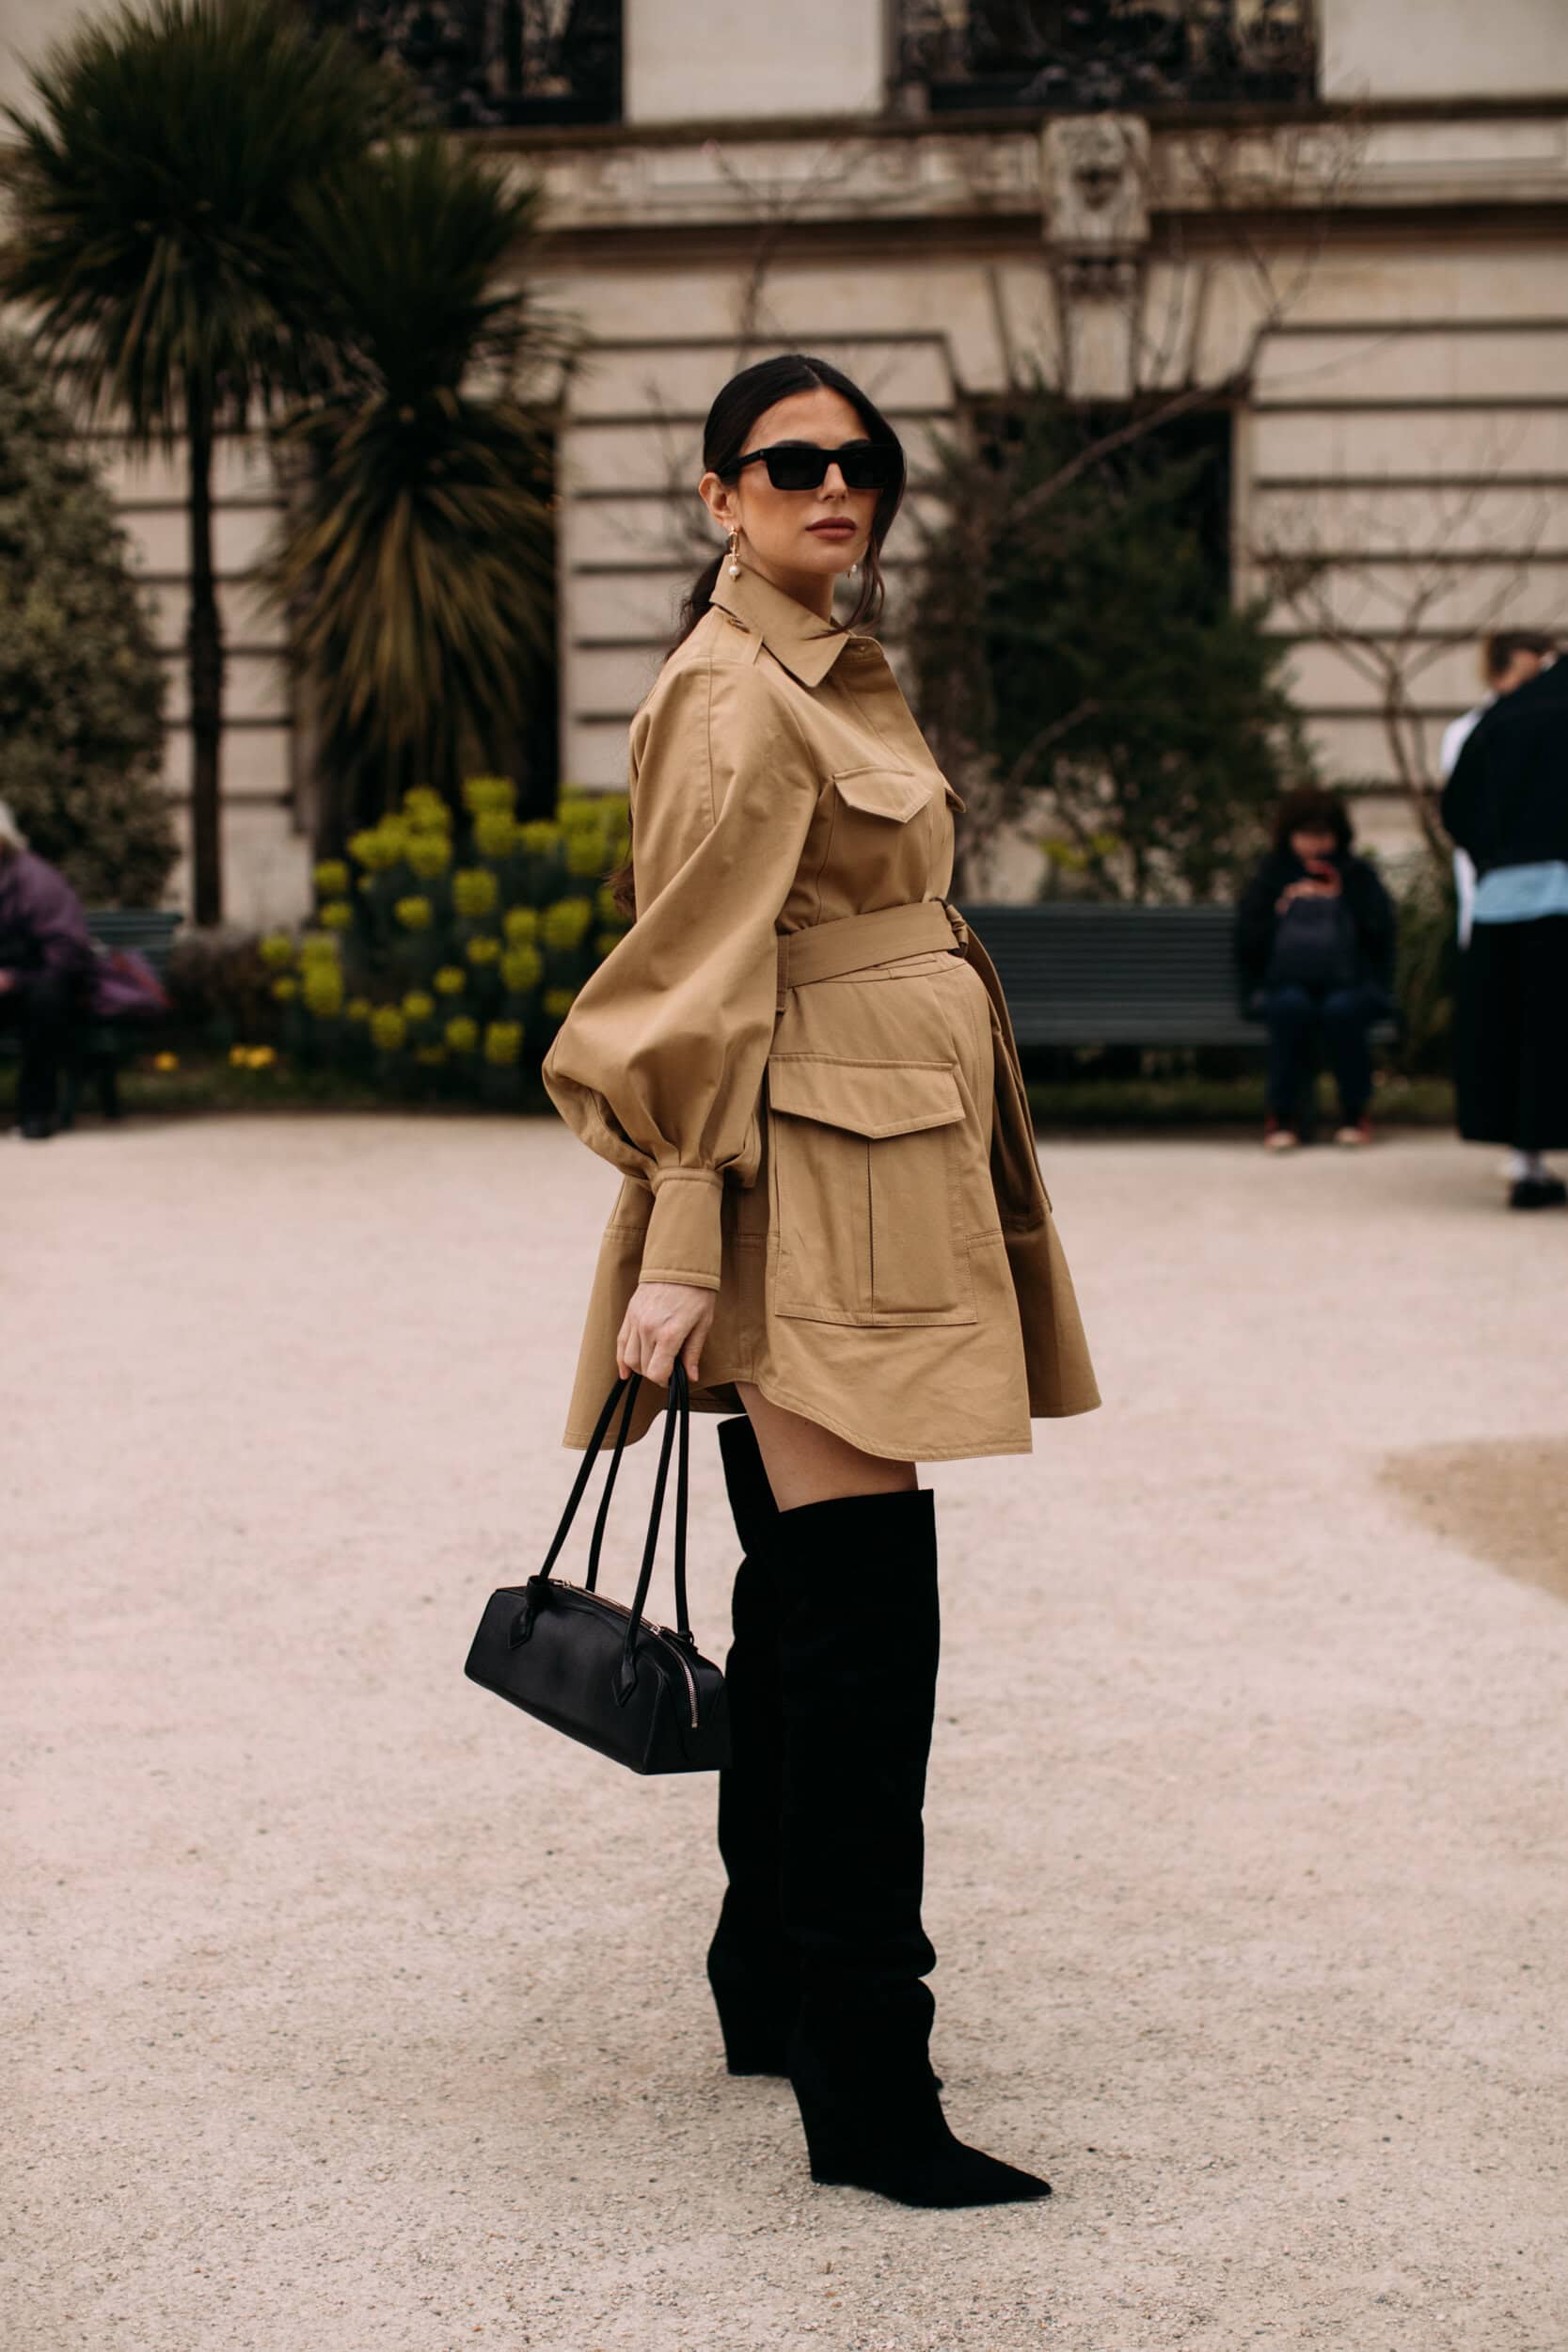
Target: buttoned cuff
(683, 1242)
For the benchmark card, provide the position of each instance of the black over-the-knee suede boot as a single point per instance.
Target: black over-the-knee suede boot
(755, 1979)
(857, 1671)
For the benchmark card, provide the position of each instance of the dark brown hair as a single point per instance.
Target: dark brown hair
(1310, 809)
(743, 400)
(1500, 650)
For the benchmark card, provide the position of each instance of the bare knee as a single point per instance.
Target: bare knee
(806, 1463)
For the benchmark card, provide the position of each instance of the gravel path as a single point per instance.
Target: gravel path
(349, 2011)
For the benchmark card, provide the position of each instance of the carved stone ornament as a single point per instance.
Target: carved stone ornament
(1095, 178)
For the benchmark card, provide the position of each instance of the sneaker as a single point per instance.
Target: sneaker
(1279, 1138)
(1539, 1192)
(1354, 1133)
(36, 1129)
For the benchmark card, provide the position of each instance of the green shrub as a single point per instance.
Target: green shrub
(442, 958)
(81, 682)
(221, 984)
(1426, 975)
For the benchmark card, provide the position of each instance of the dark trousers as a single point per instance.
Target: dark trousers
(1297, 1017)
(38, 1005)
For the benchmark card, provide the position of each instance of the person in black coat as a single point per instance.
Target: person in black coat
(1315, 953)
(1507, 805)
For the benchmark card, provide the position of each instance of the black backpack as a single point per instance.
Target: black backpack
(1314, 946)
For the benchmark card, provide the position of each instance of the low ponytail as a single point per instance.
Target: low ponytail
(697, 599)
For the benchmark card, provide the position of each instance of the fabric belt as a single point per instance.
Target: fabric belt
(828, 951)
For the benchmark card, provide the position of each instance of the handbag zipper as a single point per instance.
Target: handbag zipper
(656, 1632)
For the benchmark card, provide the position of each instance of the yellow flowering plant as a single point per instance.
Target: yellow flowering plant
(565, 924)
(448, 943)
(425, 809)
(485, 796)
(496, 833)
(522, 969)
(429, 854)
(322, 991)
(475, 893)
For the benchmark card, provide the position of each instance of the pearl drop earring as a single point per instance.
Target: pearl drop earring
(735, 551)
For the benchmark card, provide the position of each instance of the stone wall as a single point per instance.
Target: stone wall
(1407, 419)
(1407, 416)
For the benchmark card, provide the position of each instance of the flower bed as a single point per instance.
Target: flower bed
(443, 957)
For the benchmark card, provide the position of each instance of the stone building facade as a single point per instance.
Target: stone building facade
(1350, 218)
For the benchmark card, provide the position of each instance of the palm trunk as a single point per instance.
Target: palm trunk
(204, 646)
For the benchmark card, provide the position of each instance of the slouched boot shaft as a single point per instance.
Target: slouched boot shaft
(749, 1964)
(859, 1642)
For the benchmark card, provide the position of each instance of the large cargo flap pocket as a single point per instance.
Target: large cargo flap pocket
(868, 1222)
(869, 1098)
(893, 793)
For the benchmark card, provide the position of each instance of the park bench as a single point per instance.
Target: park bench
(98, 1048)
(1077, 973)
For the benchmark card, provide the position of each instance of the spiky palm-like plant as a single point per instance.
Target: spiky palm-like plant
(417, 559)
(154, 193)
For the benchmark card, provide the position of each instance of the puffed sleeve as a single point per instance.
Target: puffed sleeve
(658, 1065)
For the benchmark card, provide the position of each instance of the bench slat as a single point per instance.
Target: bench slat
(1085, 975)
(149, 930)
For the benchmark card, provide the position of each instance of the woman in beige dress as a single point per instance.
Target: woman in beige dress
(832, 1215)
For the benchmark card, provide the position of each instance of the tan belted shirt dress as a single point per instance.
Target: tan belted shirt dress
(802, 1063)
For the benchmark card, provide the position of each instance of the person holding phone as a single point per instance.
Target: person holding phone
(1315, 951)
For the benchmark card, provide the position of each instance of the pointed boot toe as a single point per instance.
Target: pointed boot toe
(941, 2176)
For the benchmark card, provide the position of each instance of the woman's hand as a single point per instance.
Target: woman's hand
(665, 1319)
(1329, 889)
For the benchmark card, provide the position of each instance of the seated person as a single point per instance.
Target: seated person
(1315, 951)
(45, 960)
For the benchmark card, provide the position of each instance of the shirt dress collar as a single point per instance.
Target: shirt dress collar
(806, 646)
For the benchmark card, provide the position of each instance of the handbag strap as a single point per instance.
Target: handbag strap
(590, 1456)
(677, 1419)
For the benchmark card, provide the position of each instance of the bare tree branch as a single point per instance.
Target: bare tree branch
(1382, 623)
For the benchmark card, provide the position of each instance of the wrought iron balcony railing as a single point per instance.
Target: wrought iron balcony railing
(484, 63)
(1082, 54)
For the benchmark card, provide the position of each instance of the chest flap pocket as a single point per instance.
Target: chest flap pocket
(896, 793)
(867, 1192)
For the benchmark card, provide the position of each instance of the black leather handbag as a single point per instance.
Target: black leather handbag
(640, 1693)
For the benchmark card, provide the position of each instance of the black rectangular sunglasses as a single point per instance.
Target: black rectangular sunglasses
(801, 466)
